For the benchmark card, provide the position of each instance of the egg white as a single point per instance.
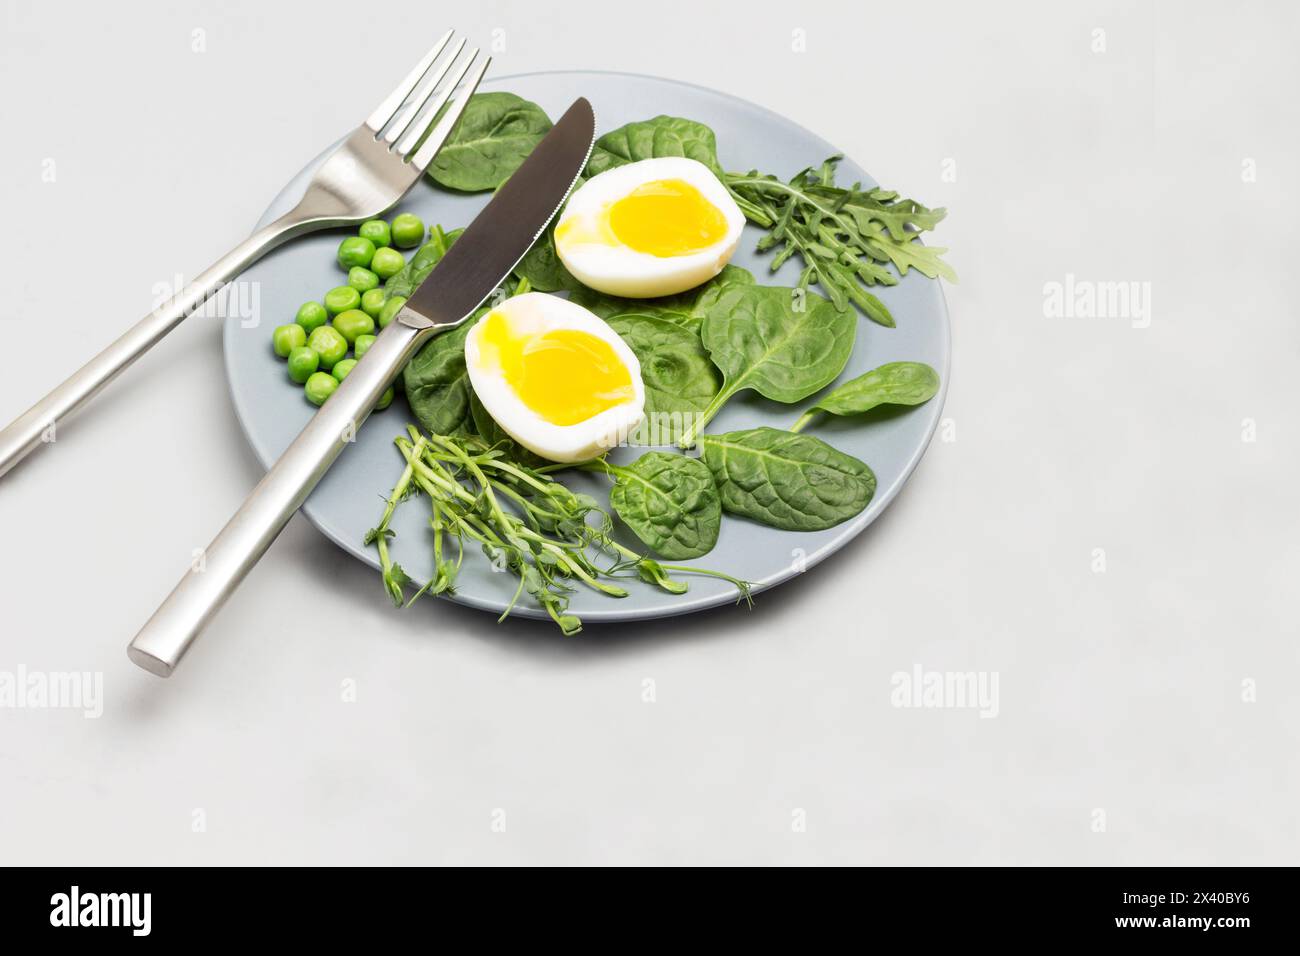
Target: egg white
(615, 269)
(535, 313)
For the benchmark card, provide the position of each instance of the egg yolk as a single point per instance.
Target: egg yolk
(564, 375)
(664, 217)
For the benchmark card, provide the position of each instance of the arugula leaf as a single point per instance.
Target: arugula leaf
(648, 139)
(781, 344)
(788, 481)
(669, 501)
(845, 237)
(685, 308)
(494, 136)
(898, 383)
(680, 381)
(912, 255)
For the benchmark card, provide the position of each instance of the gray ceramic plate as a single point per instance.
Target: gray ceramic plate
(348, 502)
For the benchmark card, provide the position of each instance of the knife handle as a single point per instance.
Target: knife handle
(164, 640)
(38, 425)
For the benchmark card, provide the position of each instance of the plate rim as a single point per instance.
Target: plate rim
(849, 530)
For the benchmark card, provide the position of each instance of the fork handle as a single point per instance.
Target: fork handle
(39, 424)
(163, 641)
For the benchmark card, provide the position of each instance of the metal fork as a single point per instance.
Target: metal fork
(367, 174)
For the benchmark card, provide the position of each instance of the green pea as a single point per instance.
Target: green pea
(390, 310)
(385, 400)
(362, 345)
(387, 262)
(320, 387)
(356, 251)
(311, 316)
(352, 323)
(408, 231)
(286, 338)
(363, 280)
(341, 299)
(377, 231)
(341, 370)
(372, 302)
(329, 345)
(302, 362)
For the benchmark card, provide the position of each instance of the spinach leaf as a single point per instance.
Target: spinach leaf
(405, 280)
(670, 502)
(648, 139)
(498, 438)
(437, 384)
(680, 381)
(496, 133)
(781, 343)
(788, 481)
(898, 383)
(708, 293)
(685, 308)
(760, 339)
(436, 380)
(661, 136)
(542, 267)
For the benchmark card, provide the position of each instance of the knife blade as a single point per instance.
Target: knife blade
(506, 229)
(476, 265)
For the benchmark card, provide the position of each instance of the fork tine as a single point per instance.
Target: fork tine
(384, 112)
(412, 109)
(418, 124)
(424, 156)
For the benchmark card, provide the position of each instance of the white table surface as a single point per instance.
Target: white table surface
(1146, 714)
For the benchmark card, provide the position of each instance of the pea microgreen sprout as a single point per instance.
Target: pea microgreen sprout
(395, 579)
(526, 523)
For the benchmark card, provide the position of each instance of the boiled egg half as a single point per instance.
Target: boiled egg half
(651, 228)
(555, 377)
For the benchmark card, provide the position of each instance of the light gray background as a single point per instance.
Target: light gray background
(1120, 692)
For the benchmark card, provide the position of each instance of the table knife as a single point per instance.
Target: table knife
(481, 259)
